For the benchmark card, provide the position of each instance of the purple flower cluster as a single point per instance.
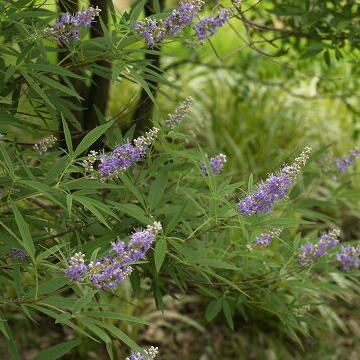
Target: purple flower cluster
(125, 155)
(151, 353)
(206, 28)
(154, 31)
(68, 27)
(151, 30)
(216, 164)
(347, 161)
(310, 252)
(178, 115)
(349, 257)
(109, 271)
(265, 238)
(16, 253)
(77, 267)
(273, 189)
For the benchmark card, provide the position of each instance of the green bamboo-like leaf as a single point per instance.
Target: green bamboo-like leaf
(160, 253)
(175, 219)
(57, 85)
(134, 211)
(116, 316)
(54, 69)
(96, 330)
(67, 136)
(132, 188)
(216, 264)
(228, 313)
(119, 334)
(157, 189)
(213, 309)
(136, 10)
(91, 137)
(56, 351)
(34, 85)
(93, 209)
(84, 300)
(24, 232)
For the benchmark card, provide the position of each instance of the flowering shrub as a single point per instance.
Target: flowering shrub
(68, 206)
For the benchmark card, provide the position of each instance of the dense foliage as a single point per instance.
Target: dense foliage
(94, 207)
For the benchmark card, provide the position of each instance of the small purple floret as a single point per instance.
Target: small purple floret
(216, 164)
(349, 257)
(17, 253)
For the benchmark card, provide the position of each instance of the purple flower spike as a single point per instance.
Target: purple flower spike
(68, 27)
(178, 115)
(273, 189)
(347, 161)
(126, 155)
(151, 353)
(265, 238)
(109, 271)
(16, 253)
(216, 164)
(349, 257)
(154, 31)
(310, 252)
(206, 28)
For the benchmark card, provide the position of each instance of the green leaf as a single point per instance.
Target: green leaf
(213, 309)
(119, 334)
(87, 203)
(54, 69)
(228, 313)
(67, 136)
(91, 137)
(136, 9)
(57, 85)
(57, 351)
(69, 199)
(157, 189)
(216, 264)
(96, 330)
(351, 194)
(134, 211)
(310, 53)
(160, 253)
(84, 300)
(24, 232)
(116, 316)
(132, 188)
(251, 183)
(175, 219)
(284, 222)
(34, 85)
